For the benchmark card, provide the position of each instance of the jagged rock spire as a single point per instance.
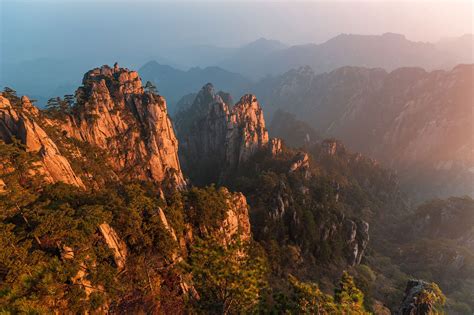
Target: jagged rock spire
(216, 137)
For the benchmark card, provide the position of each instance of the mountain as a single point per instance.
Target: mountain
(315, 211)
(388, 51)
(93, 202)
(175, 83)
(416, 122)
(217, 137)
(246, 57)
(103, 209)
(296, 133)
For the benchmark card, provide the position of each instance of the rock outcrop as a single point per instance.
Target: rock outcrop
(23, 123)
(357, 239)
(115, 244)
(216, 137)
(115, 113)
(415, 301)
(237, 222)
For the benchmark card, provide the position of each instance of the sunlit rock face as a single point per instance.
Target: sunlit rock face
(115, 113)
(237, 222)
(216, 137)
(416, 122)
(23, 123)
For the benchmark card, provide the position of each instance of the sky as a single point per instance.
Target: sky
(142, 29)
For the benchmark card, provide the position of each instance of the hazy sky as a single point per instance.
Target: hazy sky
(144, 29)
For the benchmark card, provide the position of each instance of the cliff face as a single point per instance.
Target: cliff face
(216, 137)
(22, 123)
(246, 132)
(237, 222)
(115, 113)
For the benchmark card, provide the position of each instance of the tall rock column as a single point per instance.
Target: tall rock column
(115, 113)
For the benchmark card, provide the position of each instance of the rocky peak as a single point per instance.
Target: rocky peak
(116, 79)
(237, 222)
(217, 137)
(246, 132)
(300, 161)
(115, 113)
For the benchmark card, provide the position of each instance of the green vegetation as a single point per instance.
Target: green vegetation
(307, 298)
(57, 108)
(150, 88)
(229, 277)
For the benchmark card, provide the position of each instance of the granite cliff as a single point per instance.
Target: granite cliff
(116, 114)
(216, 137)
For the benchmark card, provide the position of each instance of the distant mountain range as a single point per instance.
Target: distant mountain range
(235, 67)
(388, 51)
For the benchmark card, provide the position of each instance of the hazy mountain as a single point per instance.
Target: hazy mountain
(388, 51)
(417, 122)
(199, 55)
(175, 83)
(244, 59)
(461, 47)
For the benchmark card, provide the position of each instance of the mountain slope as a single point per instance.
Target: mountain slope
(94, 212)
(417, 122)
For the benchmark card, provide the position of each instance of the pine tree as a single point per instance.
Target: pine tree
(348, 296)
(69, 100)
(11, 95)
(228, 278)
(307, 298)
(150, 88)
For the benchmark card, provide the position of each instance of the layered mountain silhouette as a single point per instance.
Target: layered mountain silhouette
(388, 51)
(45, 77)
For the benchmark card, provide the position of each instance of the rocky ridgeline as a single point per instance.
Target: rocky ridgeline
(216, 137)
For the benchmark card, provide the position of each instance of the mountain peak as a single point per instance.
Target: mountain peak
(114, 113)
(263, 45)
